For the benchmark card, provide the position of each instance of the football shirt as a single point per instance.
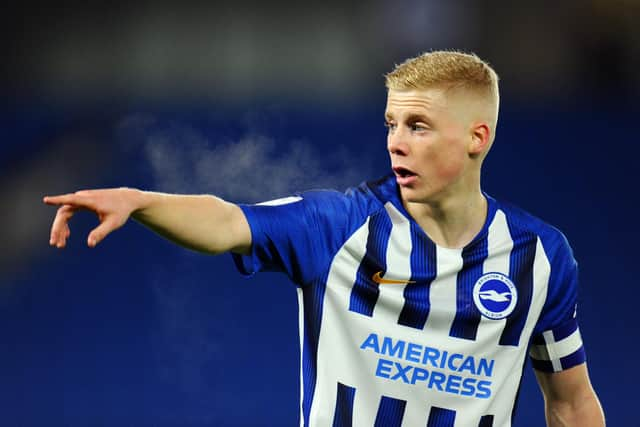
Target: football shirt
(398, 331)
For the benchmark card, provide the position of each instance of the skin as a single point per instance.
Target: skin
(443, 140)
(441, 135)
(203, 223)
(570, 399)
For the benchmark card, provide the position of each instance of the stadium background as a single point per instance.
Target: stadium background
(253, 101)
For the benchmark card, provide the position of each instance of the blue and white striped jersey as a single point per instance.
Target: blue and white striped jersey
(398, 331)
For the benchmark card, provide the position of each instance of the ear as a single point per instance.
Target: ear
(480, 138)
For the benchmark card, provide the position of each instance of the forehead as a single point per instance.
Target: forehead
(425, 101)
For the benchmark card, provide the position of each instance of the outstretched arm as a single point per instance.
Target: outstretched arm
(203, 223)
(569, 398)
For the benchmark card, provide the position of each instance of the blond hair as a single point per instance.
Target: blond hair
(445, 69)
(453, 71)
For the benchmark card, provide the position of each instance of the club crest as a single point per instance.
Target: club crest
(495, 295)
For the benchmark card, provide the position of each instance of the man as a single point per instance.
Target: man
(419, 294)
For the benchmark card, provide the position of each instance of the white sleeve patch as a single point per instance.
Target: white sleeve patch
(282, 201)
(553, 350)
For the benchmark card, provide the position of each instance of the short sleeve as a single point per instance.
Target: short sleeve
(556, 344)
(296, 235)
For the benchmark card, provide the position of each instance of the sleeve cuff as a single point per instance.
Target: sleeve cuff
(248, 265)
(558, 349)
(245, 264)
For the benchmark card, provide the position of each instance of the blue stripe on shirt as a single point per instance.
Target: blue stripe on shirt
(343, 414)
(521, 273)
(441, 417)
(423, 267)
(365, 292)
(313, 300)
(390, 412)
(465, 324)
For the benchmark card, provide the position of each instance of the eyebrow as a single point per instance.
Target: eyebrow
(413, 117)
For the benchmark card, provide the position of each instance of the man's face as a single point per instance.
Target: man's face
(428, 143)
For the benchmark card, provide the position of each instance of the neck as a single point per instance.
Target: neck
(452, 222)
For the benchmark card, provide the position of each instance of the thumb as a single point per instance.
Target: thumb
(100, 232)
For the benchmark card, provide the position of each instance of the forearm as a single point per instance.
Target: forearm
(203, 223)
(586, 412)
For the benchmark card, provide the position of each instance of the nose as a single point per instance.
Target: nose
(397, 142)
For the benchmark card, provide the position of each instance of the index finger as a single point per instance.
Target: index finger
(74, 199)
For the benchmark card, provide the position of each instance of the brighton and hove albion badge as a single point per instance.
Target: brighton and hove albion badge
(495, 295)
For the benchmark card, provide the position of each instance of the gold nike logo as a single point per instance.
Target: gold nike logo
(378, 279)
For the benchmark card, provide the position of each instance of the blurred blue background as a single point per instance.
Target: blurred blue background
(253, 101)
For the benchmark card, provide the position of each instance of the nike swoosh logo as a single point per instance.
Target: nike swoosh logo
(378, 279)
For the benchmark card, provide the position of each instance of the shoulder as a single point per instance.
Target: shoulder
(353, 205)
(553, 240)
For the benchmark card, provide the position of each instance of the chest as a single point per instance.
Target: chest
(390, 271)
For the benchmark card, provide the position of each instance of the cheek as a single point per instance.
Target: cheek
(450, 167)
(449, 160)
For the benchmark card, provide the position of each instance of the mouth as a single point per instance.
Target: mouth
(402, 172)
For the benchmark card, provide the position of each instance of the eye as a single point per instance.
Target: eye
(418, 127)
(390, 125)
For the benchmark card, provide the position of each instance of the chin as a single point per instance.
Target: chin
(414, 195)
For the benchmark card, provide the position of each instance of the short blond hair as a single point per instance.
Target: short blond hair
(450, 70)
(446, 69)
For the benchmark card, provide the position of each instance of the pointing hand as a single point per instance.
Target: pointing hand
(112, 206)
